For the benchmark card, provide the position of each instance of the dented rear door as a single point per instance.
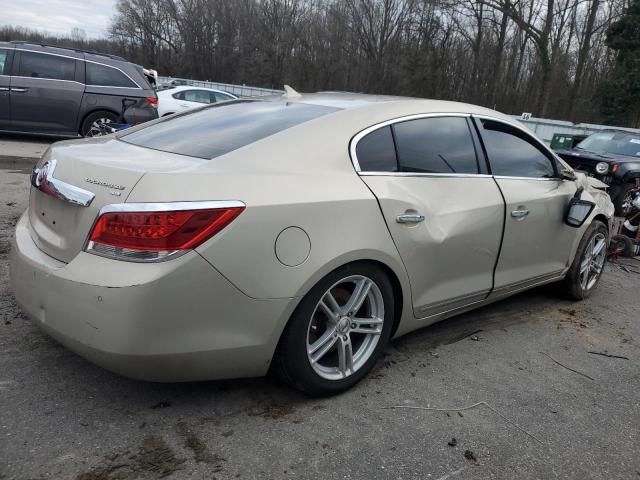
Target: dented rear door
(445, 216)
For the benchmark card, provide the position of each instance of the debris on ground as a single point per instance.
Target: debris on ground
(469, 455)
(605, 354)
(162, 404)
(452, 443)
(475, 338)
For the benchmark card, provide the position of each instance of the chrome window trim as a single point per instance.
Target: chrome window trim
(49, 79)
(418, 174)
(81, 60)
(354, 141)
(137, 85)
(48, 53)
(170, 206)
(537, 179)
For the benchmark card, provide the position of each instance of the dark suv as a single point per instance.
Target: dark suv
(614, 158)
(60, 91)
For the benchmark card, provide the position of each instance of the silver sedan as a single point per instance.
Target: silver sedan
(295, 234)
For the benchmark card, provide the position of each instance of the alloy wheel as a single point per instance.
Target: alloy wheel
(592, 262)
(626, 204)
(345, 327)
(98, 127)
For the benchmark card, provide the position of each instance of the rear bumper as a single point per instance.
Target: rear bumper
(179, 320)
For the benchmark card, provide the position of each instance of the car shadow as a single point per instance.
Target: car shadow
(266, 396)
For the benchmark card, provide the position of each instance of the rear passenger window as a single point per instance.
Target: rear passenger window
(435, 145)
(376, 153)
(221, 97)
(41, 65)
(104, 76)
(198, 96)
(512, 154)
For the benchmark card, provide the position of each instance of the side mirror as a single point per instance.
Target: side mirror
(568, 175)
(579, 210)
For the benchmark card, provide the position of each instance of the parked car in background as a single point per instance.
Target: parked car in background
(298, 234)
(69, 92)
(183, 98)
(612, 157)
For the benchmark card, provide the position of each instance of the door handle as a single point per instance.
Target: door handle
(519, 213)
(18, 89)
(410, 218)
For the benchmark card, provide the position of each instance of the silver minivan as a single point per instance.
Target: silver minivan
(68, 92)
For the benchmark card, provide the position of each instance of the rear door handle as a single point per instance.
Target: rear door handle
(410, 218)
(19, 89)
(519, 213)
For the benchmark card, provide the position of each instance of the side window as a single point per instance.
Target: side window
(221, 97)
(512, 154)
(376, 152)
(198, 96)
(178, 96)
(104, 76)
(435, 145)
(4, 64)
(41, 65)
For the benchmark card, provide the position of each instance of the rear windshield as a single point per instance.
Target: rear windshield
(219, 129)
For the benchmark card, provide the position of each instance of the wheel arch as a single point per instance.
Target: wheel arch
(399, 293)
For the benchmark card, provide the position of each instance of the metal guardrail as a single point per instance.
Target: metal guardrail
(239, 90)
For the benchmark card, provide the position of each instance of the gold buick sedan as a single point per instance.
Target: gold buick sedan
(295, 234)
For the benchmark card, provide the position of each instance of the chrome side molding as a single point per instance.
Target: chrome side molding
(42, 179)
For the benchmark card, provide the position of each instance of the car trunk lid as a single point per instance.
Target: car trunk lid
(108, 173)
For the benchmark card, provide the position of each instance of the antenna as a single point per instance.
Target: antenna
(290, 92)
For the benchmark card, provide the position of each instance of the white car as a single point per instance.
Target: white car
(181, 99)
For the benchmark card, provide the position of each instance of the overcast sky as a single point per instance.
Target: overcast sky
(59, 16)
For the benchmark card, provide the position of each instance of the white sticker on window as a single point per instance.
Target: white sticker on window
(635, 140)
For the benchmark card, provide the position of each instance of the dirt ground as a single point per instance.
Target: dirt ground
(542, 405)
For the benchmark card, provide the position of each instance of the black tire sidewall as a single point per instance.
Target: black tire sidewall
(575, 290)
(294, 366)
(92, 117)
(620, 198)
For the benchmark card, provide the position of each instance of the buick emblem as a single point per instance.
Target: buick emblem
(41, 174)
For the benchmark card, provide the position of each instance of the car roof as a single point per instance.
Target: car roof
(402, 105)
(71, 51)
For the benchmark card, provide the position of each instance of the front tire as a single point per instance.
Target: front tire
(338, 331)
(588, 264)
(623, 200)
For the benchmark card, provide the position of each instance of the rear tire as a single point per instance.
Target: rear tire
(588, 264)
(328, 346)
(624, 246)
(91, 124)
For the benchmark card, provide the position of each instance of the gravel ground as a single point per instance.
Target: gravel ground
(550, 408)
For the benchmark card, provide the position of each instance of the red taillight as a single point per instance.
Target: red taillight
(153, 101)
(130, 233)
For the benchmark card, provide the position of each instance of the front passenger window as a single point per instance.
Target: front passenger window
(511, 154)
